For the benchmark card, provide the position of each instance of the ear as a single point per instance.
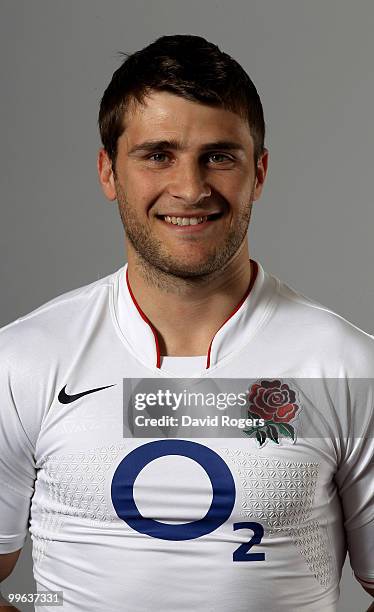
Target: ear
(261, 171)
(106, 175)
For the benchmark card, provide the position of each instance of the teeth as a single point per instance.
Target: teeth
(185, 220)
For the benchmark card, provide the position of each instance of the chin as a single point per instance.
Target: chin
(189, 269)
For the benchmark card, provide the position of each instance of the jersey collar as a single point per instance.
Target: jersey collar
(141, 336)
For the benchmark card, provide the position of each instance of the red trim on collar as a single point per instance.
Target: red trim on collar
(145, 318)
(254, 271)
(364, 580)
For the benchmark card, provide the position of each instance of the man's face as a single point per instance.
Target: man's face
(185, 182)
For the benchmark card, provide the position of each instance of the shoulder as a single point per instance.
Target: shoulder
(325, 333)
(36, 348)
(50, 323)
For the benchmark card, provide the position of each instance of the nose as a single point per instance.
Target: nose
(187, 182)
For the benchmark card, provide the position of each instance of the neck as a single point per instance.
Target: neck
(187, 313)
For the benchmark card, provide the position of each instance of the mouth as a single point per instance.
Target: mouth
(189, 220)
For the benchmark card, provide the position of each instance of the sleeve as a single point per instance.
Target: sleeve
(17, 465)
(355, 480)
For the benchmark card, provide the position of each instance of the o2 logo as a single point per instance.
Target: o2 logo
(223, 486)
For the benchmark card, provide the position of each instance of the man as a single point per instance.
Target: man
(244, 521)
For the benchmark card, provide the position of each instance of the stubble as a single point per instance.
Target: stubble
(164, 270)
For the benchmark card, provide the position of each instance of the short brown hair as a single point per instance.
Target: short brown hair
(190, 67)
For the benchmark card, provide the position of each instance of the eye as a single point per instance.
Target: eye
(157, 157)
(219, 158)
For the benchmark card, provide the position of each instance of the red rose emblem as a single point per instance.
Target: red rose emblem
(273, 401)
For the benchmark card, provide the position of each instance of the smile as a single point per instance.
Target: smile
(190, 220)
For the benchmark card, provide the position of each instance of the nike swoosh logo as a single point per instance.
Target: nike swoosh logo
(65, 398)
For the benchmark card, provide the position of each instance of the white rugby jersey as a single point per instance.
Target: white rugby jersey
(186, 523)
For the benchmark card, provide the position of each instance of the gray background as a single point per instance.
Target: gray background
(312, 63)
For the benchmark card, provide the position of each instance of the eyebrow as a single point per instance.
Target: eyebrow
(159, 145)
